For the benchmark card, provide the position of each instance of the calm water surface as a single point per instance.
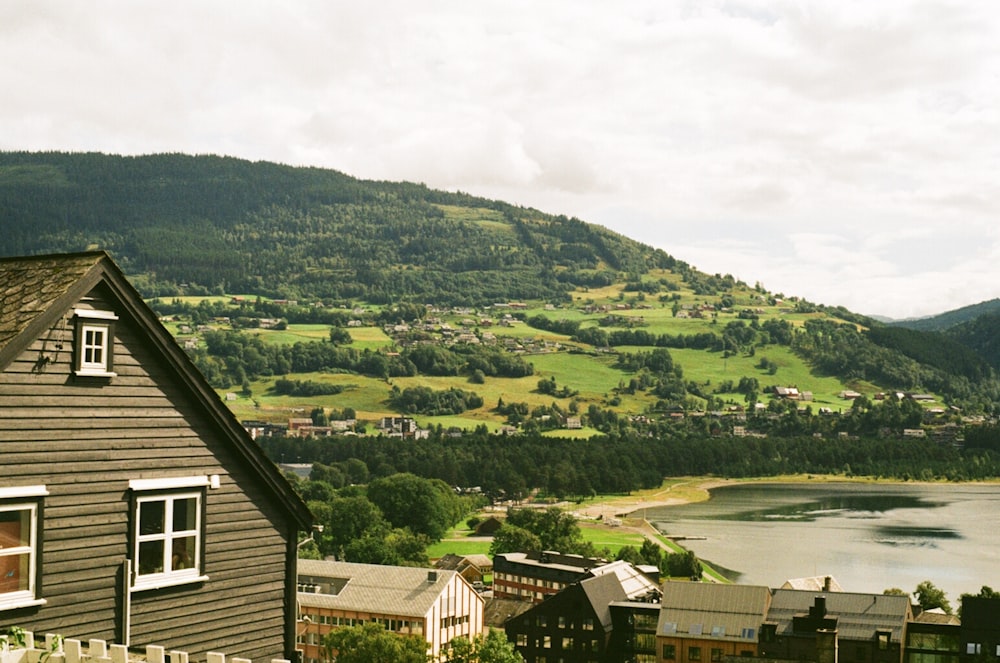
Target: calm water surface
(869, 537)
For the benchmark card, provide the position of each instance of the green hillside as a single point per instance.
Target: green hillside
(303, 292)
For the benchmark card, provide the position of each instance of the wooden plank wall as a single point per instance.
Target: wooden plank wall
(84, 440)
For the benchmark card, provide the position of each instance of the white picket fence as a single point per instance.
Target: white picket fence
(56, 650)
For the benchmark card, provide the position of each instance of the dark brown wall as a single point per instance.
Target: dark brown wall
(85, 440)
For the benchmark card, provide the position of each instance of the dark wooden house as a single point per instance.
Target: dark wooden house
(133, 507)
(571, 626)
(838, 626)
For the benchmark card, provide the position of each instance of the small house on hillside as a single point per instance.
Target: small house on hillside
(132, 503)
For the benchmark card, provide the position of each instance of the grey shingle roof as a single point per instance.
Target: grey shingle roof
(389, 590)
(859, 616)
(30, 286)
(711, 611)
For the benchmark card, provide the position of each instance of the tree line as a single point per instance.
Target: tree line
(615, 464)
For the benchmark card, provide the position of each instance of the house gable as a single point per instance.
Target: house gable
(150, 431)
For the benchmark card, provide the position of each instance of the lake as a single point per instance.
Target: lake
(868, 536)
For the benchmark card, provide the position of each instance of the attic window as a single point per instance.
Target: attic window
(94, 343)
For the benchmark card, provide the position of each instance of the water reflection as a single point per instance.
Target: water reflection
(870, 537)
(853, 506)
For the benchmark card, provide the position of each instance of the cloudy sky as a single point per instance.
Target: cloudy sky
(847, 152)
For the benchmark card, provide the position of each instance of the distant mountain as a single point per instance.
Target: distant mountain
(950, 319)
(214, 224)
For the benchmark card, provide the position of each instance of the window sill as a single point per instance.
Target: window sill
(23, 603)
(95, 374)
(163, 583)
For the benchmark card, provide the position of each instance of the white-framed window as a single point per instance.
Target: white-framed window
(168, 532)
(95, 343)
(19, 546)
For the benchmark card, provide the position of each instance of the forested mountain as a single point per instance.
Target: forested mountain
(219, 225)
(377, 253)
(949, 319)
(976, 328)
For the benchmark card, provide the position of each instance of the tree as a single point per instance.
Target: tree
(349, 519)
(510, 538)
(930, 597)
(371, 643)
(490, 648)
(682, 565)
(555, 528)
(426, 506)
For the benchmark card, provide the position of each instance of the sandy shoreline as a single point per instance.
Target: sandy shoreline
(629, 506)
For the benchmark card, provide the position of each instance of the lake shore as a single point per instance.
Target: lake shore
(685, 490)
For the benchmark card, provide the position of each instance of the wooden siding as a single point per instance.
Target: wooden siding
(85, 439)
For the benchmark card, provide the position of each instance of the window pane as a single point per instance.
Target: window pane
(15, 528)
(151, 557)
(185, 514)
(15, 573)
(151, 517)
(183, 553)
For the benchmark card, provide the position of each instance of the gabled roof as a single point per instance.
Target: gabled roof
(387, 590)
(633, 582)
(859, 616)
(601, 591)
(37, 291)
(712, 611)
(814, 584)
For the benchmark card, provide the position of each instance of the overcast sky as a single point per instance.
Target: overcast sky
(847, 152)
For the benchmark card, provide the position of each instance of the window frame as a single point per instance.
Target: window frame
(94, 322)
(167, 492)
(30, 499)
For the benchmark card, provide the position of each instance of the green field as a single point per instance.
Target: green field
(588, 373)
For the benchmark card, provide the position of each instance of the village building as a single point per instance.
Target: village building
(436, 605)
(855, 628)
(576, 623)
(707, 623)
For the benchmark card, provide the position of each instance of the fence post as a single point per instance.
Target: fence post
(74, 650)
(119, 654)
(98, 649)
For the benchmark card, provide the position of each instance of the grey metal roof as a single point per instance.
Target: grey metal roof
(602, 591)
(389, 590)
(712, 611)
(859, 616)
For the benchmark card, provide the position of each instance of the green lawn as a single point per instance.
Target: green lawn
(712, 368)
(472, 546)
(293, 334)
(612, 538)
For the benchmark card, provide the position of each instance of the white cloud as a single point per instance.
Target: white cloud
(842, 151)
